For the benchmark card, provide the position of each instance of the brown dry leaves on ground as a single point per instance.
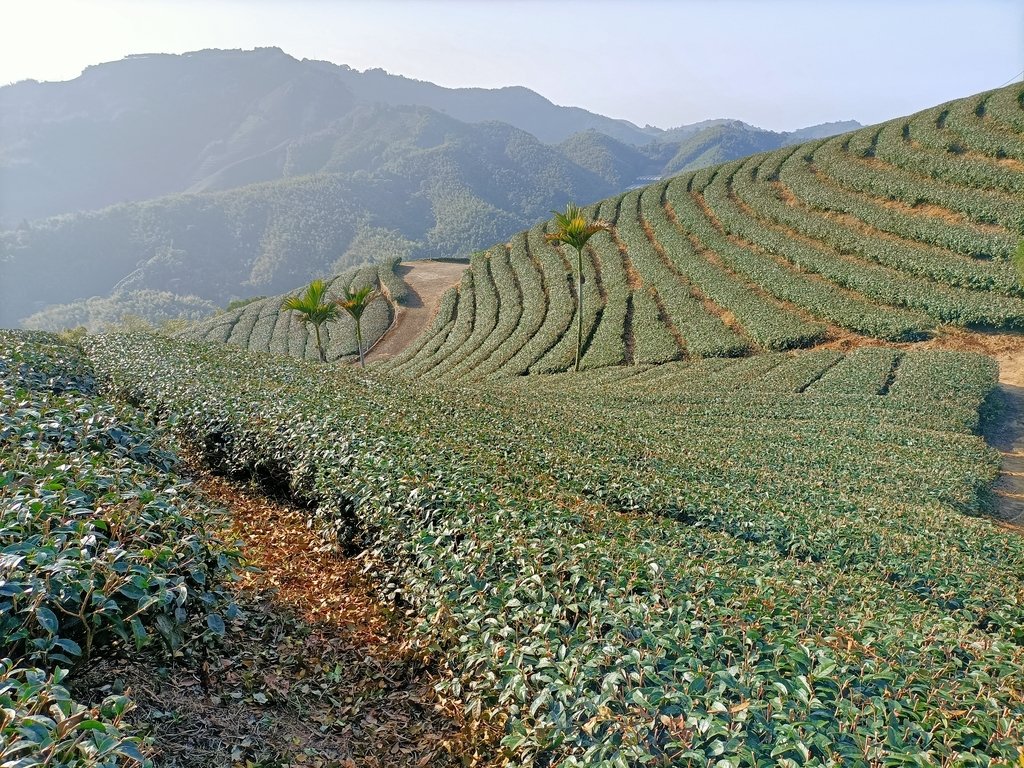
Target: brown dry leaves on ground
(316, 672)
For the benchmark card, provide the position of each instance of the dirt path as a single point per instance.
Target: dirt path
(1007, 436)
(427, 281)
(315, 671)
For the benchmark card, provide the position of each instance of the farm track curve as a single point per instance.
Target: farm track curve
(427, 281)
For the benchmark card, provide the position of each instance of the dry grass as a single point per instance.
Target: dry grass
(1010, 163)
(997, 345)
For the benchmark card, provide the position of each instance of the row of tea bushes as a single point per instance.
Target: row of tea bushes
(617, 575)
(262, 326)
(888, 232)
(101, 545)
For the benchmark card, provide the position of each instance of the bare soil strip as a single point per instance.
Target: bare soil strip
(315, 672)
(427, 281)
(1006, 434)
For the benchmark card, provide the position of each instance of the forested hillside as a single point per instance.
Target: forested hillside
(410, 183)
(276, 170)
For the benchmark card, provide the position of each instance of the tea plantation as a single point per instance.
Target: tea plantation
(707, 563)
(262, 326)
(752, 531)
(888, 232)
(101, 544)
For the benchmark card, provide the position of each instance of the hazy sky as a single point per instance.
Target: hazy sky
(778, 65)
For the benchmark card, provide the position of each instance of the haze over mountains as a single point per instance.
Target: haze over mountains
(172, 184)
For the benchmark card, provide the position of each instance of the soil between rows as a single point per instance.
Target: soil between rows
(427, 282)
(317, 671)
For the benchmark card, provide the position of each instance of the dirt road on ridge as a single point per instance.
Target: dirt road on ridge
(1007, 437)
(427, 281)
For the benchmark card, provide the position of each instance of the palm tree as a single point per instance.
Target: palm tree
(574, 230)
(314, 310)
(355, 303)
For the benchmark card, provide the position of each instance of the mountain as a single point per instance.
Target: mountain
(514, 105)
(152, 125)
(718, 143)
(614, 161)
(821, 131)
(157, 124)
(217, 174)
(385, 182)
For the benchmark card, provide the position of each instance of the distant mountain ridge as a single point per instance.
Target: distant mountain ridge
(218, 174)
(528, 110)
(514, 105)
(156, 124)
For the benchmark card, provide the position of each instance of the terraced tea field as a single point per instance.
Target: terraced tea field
(262, 326)
(888, 233)
(754, 531)
(679, 564)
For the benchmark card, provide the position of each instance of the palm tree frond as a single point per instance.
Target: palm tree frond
(356, 301)
(310, 300)
(312, 309)
(573, 229)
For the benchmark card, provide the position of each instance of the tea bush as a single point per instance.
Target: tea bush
(101, 544)
(679, 565)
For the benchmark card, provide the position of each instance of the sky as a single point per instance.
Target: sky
(776, 64)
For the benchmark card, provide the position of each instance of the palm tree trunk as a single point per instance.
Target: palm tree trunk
(359, 344)
(320, 345)
(579, 307)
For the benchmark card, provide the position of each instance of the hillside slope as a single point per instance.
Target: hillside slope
(889, 233)
(608, 562)
(241, 172)
(263, 326)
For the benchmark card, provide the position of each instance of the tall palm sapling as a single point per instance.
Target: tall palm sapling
(355, 303)
(314, 309)
(573, 229)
